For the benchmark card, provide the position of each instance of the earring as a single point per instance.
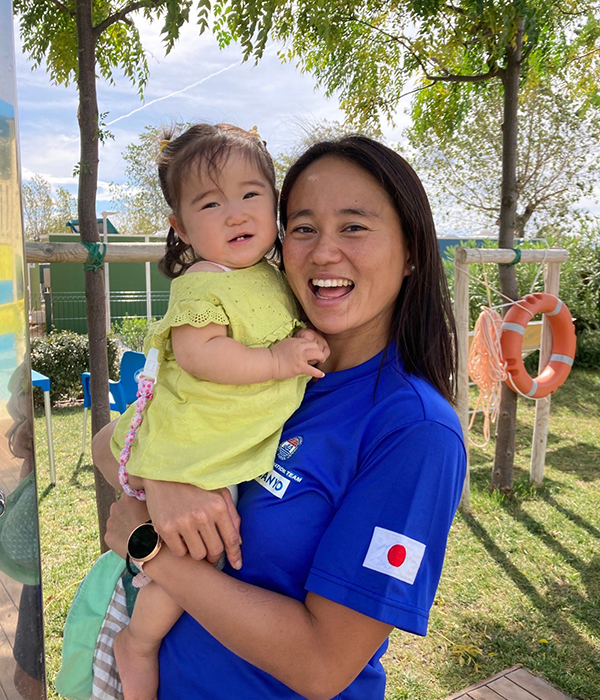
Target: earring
(412, 268)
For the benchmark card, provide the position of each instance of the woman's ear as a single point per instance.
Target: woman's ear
(409, 268)
(179, 230)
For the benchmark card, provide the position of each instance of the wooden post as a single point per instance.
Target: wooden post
(77, 253)
(461, 314)
(462, 257)
(542, 406)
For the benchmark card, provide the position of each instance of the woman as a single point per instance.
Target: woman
(345, 539)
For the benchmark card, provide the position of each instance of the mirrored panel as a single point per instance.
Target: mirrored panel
(22, 672)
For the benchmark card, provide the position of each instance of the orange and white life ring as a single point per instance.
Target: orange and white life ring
(563, 345)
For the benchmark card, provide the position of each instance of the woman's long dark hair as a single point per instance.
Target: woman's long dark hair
(423, 325)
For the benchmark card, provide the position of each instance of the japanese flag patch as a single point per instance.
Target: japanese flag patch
(394, 554)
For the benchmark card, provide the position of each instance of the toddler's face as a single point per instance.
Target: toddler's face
(229, 218)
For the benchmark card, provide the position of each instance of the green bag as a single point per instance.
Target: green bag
(74, 680)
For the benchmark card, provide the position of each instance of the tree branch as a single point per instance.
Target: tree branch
(63, 7)
(585, 55)
(121, 15)
(448, 77)
(403, 41)
(451, 78)
(411, 92)
(458, 10)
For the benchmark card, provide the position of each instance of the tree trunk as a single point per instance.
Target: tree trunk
(502, 472)
(88, 229)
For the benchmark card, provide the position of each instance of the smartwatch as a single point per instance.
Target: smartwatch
(143, 544)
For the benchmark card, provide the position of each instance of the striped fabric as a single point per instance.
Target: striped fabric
(107, 684)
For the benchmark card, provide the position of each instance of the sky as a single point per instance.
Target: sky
(195, 82)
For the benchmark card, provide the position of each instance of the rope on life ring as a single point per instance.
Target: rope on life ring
(563, 345)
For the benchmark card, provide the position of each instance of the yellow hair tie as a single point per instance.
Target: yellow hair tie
(163, 144)
(254, 132)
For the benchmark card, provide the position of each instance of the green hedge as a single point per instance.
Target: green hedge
(63, 356)
(131, 331)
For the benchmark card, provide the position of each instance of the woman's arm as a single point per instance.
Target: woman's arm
(317, 648)
(189, 519)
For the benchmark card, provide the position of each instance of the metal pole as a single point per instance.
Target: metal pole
(105, 215)
(148, 287)
(106, 278)
(48, 309)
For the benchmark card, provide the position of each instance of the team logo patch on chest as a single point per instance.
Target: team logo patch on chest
(286, 449)
(394, 554)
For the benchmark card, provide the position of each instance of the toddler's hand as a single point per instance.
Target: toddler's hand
(293, 357)
(309, 334)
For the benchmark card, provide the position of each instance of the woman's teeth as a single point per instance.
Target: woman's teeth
(332, 283)
(332, 288)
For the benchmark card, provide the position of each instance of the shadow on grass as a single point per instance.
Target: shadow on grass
(580, 458)
(58, 411)
(585, 386)
(574, 517)
(560, 600)
(42, 495)
(562, 593)
(82, 467)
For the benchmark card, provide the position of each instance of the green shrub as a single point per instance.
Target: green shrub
(131, 332)
(588, 348)
(580, 277)
(63, 356)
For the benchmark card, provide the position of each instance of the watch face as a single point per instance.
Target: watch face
(143, 541)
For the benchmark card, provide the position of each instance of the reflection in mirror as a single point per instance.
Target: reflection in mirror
(22, 672)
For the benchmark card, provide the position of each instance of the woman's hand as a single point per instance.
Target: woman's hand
(189, 519)
(125, 515)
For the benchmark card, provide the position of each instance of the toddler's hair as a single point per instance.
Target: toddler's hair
(203, 147)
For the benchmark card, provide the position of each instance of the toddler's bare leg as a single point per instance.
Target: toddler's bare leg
(136, 647)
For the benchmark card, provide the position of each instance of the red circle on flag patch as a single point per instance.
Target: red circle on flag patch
(396, 555)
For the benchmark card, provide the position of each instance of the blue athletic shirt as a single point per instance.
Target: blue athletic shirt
(357, 509)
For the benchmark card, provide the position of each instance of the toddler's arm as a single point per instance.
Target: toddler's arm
(209, 354)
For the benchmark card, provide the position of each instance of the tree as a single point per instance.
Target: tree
(139, 201)
(64, 208)
(37, 207)
(310, 132)
(558, 163)
(76, 39)
(44, 213)
(376, 51)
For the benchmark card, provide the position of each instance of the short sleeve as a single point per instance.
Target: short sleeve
(193, 312)
(189, 304)
(382, 553)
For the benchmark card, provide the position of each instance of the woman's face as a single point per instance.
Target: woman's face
(344, 252)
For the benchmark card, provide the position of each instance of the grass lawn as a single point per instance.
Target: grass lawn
(521, 583)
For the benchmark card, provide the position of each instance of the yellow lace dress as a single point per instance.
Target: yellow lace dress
(209, 434)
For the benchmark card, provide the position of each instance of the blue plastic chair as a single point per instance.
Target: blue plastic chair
(121, 393)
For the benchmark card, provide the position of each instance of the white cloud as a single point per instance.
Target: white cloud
(195, 82)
